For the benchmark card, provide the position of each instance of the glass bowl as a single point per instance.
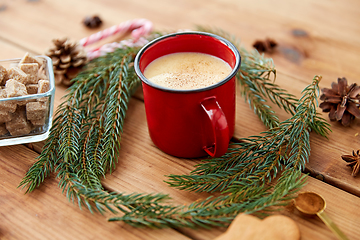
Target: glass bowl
(26, 101)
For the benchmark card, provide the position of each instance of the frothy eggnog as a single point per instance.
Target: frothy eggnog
(187, 70)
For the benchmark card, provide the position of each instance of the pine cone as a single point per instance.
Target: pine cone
(68, 58)
(341, 101)
(92, 22)
(268, 45)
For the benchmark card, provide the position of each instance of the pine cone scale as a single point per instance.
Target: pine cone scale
(325, 106)
(61, 72)
(55, 60)
(332, 114)
(65, 58)
(346, 119)
(64, 65)
(333, 99)
(342, 86)
(334, 87)
(77, 63)
(329, 92)
(340, 112)
(355, 91)
(353, 109)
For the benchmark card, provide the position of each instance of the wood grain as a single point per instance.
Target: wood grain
(311, 40)
(141, 168)
(314, 37)
(139, 153)
(46, 213)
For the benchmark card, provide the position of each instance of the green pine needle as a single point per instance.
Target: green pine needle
(257, 175)
(256, 78)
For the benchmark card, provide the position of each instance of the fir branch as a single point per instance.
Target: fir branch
(102, 201)
(218, 211)
(76, 125)
(260, 71)
(255, 164)
(252, 71)
(256, 76)
(256, 101)
(250, 193)
(41, 169)
(84, 145)
(114, 112)
(90, 167)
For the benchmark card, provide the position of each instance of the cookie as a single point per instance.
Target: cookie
(247, 227)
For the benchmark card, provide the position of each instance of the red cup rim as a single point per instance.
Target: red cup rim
(221, 39)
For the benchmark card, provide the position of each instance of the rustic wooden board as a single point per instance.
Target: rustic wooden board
(140, 153)
(314, 38)
(325, 160)
(141, 168)
(9, 50)
(311, 39)
(313, 227)
(46, 213)
(153, 166)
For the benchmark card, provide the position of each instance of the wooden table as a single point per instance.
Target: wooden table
(315, 37)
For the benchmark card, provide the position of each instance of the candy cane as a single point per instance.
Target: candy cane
(139, 27)
(110, 47)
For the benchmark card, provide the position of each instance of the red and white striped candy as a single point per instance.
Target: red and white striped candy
(138, 28)
(110, 47)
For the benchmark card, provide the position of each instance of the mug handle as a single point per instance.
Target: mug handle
(220, 127)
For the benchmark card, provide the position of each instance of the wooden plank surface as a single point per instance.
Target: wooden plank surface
(142, 168)
(314, 37)
(47, 214)
(134, 170)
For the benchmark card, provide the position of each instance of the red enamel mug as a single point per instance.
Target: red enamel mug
(190, 123)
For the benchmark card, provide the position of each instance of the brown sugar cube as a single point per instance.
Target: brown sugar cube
(31, 69)
(27, 58)
(36, 110)
(3, 129)
(18, 118)
(20, 131)
(14, 88)
(32, 88)
(18, 75)
(18, 124)
(9, 106)
(38, 122)
(5, 116)
(24, 102)
(3, 75)
(43, 86)
(6, 106)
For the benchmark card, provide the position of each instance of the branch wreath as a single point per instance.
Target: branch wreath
(256, 174)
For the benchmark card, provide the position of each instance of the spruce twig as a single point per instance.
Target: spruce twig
(257, 160)
(250, 193)
(219, 211)
(256, 78)
(76, 141)
(84, 145)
